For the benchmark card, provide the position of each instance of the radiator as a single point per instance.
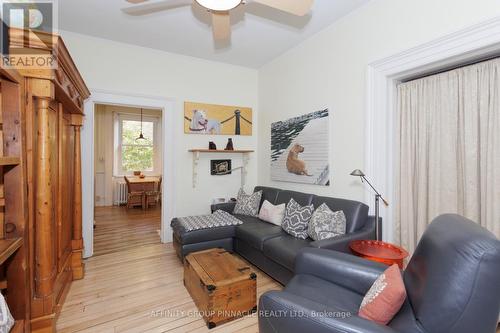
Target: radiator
(120, 195)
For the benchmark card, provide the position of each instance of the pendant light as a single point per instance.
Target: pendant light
(141, 136)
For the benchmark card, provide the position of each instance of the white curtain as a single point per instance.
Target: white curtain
(449, 150)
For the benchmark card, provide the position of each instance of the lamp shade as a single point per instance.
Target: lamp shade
(357, 173)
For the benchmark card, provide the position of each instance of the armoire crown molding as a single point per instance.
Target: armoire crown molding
(475, 42)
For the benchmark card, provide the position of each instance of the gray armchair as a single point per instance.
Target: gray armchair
(452, 283)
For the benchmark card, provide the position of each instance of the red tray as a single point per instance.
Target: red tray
(379, 251)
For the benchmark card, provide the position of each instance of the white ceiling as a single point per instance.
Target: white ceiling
(260, 33)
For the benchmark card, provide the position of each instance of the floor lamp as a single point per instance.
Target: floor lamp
(378, 196)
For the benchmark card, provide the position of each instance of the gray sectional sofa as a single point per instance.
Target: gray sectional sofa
(266, 245)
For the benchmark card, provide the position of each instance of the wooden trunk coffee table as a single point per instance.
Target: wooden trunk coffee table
(222, 286)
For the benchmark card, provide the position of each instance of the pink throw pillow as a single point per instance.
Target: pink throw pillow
(385, 297)
(272, 213)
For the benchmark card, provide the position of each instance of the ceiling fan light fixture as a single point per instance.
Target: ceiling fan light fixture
(219, 5)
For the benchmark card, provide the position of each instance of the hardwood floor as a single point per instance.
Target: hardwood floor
(118, 228)
(134, 283)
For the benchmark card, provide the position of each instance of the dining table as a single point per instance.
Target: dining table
(145, 184)
(144, 180)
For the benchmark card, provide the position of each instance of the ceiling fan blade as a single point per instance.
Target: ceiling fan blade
(136, 1)
(295, 7)
(221, 25)
(155, 6)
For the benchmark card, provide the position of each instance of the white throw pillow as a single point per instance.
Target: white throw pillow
(272, 213)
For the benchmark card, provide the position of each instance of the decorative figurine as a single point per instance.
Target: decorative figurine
(229, 145)
(212, 146)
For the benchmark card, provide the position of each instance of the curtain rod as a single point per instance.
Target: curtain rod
(453, 67)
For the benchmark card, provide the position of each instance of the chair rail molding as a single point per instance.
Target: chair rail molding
(475, 42)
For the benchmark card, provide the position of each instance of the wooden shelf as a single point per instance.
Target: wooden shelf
(8, 247)
(6, 160)
(241, 151)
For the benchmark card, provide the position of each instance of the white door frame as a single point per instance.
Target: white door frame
(167, 107)
(475, 42)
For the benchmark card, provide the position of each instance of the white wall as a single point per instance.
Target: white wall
(126, 69)
(329, 71)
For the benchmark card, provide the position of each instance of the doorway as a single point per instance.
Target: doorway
(102, 173)
(128, 166)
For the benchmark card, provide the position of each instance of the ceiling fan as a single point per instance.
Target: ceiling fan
(219, 9)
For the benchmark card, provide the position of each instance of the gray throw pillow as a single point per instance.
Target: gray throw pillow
(247, 204)
(296, 219)
(326, 224)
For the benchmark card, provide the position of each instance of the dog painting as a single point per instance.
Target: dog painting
(300, 149)
(211, 119)
(294, 164)
(202, 125)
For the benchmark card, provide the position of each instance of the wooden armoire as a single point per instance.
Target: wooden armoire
(52, 117)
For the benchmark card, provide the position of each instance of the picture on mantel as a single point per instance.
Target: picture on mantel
(300, 149)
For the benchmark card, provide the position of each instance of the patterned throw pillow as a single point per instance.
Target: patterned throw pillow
(326, 224)
(296, 219)
(272, 213)
(247, 204)
(385, 297)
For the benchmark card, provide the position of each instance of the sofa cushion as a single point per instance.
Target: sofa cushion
(304, 199)
(248, 204)
(385, 297)
(204, 235)
(255, 231)
(321, 291)
(297, 219)
(268, 193)
(326, 224)
(272, 213)
(355, 212)
(283, 249)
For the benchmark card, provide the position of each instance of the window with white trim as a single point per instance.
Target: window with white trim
(132, 154)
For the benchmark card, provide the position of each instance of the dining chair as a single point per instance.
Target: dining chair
(135, 196)
(154, 196)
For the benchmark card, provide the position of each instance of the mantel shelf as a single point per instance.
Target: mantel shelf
(7, 160)
(240, 151)
(8, 247)
(196, 157)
